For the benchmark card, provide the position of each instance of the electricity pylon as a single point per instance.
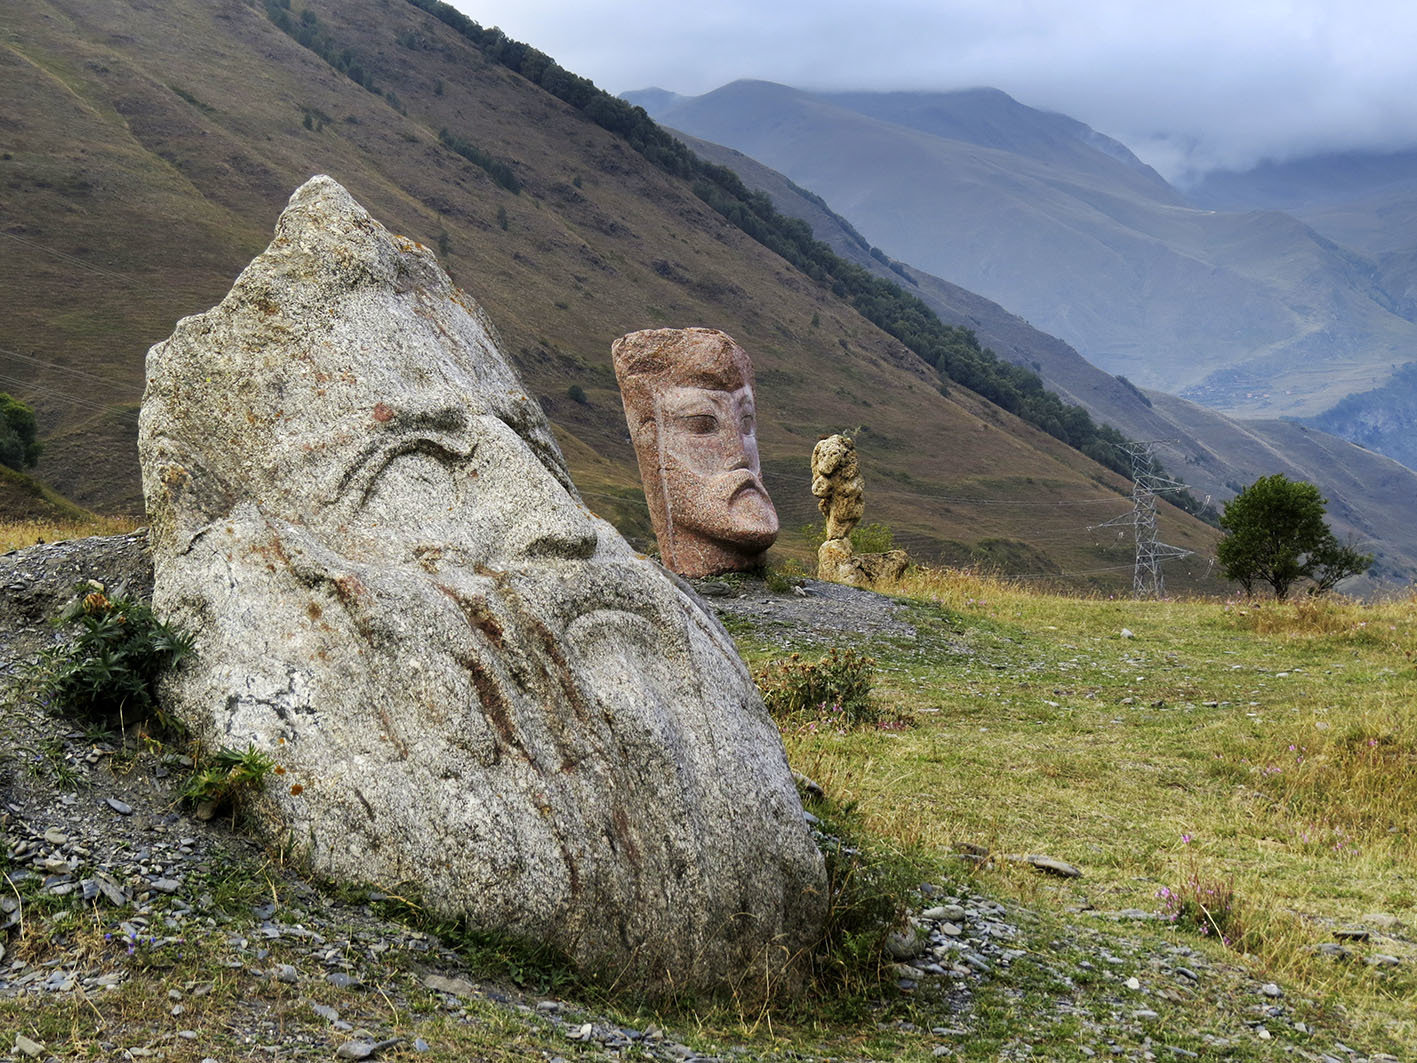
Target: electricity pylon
(1146, 575)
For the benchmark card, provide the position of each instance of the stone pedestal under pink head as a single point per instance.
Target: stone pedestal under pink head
(689, 402)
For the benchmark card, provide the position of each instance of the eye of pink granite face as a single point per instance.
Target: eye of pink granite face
(708, 432)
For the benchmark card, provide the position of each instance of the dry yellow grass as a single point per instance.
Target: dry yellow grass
(1270, 747)
(16, 535)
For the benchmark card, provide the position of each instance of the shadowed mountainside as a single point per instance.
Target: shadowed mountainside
(1371, 497)
(1252, 313)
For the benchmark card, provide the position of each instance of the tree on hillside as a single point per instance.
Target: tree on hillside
(1275, 533)
(19, 449)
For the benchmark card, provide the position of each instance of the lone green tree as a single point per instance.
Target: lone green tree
(19, 449)
(1275, 533)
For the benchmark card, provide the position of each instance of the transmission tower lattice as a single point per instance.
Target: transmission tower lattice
(1146, 575)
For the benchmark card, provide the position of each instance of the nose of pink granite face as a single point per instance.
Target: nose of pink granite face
(735, 449)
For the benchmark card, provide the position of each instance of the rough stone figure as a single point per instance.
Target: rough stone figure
(689, 401)
(837, 485)
(475, 689)
(841, 496)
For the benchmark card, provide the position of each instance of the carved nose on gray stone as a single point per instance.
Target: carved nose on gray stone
(551, 529)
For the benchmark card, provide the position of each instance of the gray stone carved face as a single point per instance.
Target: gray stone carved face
(689, 402)
(474, 687)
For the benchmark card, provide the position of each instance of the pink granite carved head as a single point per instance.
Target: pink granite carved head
(688, 397)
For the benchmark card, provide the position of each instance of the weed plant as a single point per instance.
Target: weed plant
(869, 883)
(223, 779)
(108, 674)
(1208, 907)
(835, 687)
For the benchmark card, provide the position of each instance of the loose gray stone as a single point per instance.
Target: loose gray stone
(903, 944)
(977, 962)
(1328, 948)
(121, 807)
(403, 600)
(1052, 866)
(111, 891)
(458, 987)
(1271, 990)
(30, 1048)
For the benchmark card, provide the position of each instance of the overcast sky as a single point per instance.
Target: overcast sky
(1185, 83)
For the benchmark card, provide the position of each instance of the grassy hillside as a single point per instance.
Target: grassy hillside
(1261, 751)
(153, 146)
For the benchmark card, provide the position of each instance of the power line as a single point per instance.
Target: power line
(1109, 500)
(47, 364)
(70, 258)
(29, 387)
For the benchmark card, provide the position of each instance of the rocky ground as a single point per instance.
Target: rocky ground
(115, 891)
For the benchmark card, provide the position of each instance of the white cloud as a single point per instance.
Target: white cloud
(1191, 84)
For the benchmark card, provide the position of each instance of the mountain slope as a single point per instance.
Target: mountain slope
(1252, 313)
(1373, 499)
(1363, 200)
(150, 148)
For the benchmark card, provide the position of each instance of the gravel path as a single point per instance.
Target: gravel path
(812, 610)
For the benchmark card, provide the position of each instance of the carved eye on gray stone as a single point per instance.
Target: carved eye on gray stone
(417, 475)
(421, 480)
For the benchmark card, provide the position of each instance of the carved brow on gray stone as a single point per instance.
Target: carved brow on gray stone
(475, 689)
